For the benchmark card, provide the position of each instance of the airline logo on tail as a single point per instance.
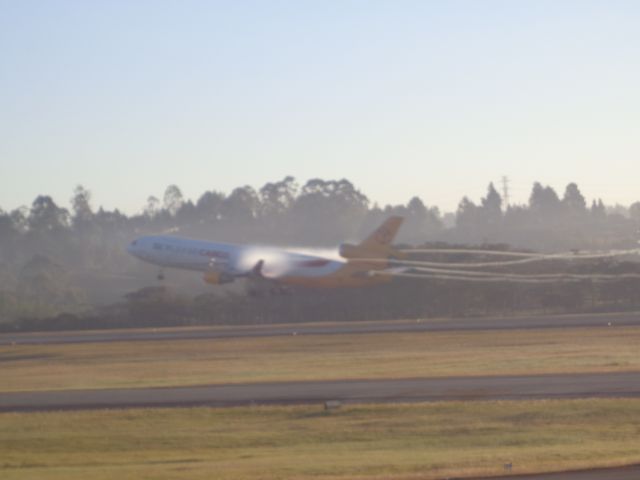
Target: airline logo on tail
(385, 233)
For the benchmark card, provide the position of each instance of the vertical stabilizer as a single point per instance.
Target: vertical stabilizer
(382, 238)
(376, 245)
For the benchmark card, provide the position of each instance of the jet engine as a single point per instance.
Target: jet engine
(217, 278)
(348, 250)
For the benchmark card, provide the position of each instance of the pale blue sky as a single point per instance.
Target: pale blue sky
(404, 98)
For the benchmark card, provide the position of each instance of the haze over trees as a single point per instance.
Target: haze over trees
(55, 260)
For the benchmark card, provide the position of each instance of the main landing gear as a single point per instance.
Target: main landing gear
(266, 291)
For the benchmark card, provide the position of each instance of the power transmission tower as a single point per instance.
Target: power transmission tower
(505, 191)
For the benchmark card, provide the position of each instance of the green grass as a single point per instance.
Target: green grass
(417, 441)
(321, 357)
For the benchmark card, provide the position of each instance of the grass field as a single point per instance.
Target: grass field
(420, 441)
(392, 355)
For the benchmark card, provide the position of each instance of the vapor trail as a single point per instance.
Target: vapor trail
(544, 276)
(558, 256)
(558, 278)
(501, 253)
(467, 278)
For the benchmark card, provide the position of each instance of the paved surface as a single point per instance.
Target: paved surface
(360, 391)
(348, 391)
(625, 473)
(430, 325)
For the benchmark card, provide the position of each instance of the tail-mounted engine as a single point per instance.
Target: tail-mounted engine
(350, 251)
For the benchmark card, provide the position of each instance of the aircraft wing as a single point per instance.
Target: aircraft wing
(217, 265)
(220, 272)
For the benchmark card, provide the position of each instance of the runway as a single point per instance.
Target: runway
(426, 325)
(554, 386)
(631, 472)
(347, 391)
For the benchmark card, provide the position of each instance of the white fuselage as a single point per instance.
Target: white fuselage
(183, 253)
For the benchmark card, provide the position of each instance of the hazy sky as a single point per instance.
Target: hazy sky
(404, 98)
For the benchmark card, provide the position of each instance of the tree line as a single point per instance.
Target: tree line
(56, 261)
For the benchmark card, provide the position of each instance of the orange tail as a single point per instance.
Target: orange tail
(378, 244)
(383, 236)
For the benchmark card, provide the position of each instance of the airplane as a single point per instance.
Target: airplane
(357, 265)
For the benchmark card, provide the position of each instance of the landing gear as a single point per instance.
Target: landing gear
(267, 290)
(160, 276)
(279, 290)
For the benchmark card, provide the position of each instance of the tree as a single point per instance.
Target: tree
(598, 210)
(242, 205)
(8, 236)
(45, 215)
(573, 200)
(634, 212)
(187, 215)
(421, 222)
(493, 201)
(276, 198)
(543, 200)
(480, 223)
(466, 214)
(328, 211)
(173, 199)
(209, 206)
(81, 206)
(20, 220)
(153, 207)
(492, 206)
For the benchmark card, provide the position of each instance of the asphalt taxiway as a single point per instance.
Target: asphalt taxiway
(348, 391)
(396, 326)
(631, 472)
